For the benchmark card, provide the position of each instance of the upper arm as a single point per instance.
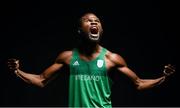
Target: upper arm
(117, 60)
(121, 66)
(61, 60)
(51, 70)
(141, 84)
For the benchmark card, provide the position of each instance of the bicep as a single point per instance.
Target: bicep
(61, 60)
(128, 72)
(51, 70)
(122, 67)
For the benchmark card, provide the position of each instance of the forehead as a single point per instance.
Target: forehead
(89, 16)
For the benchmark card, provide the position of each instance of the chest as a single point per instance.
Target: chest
(94, 67)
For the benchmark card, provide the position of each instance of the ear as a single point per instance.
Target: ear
(79, 31)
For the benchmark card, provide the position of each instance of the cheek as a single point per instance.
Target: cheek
(85, 28)
(101, 30)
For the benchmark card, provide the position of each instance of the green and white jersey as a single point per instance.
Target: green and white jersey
(89, 85)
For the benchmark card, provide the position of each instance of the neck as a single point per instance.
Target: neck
(88, 48)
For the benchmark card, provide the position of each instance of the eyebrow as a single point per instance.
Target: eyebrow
(83, 18)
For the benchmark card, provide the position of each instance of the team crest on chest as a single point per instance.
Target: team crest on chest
(100, 63)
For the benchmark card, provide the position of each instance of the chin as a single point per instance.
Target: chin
(94, 41)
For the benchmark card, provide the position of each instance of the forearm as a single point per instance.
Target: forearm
(31, 78)
(149, 83)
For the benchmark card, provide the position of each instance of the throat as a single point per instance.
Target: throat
(89, 50)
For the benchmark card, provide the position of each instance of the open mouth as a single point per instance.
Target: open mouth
(94, 30)
(94, 33)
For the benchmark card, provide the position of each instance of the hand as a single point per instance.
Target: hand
(168, 70)
(13, 64)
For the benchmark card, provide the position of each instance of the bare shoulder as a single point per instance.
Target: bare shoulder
(64, 57)
(115, 58)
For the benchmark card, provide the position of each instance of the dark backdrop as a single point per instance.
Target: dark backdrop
(143, 32)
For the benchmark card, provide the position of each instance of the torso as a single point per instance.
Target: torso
(108, 58)
(89, 79)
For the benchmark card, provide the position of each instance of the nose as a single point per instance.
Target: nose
(93, 23)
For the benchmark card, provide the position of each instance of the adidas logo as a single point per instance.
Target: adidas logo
(75, 63)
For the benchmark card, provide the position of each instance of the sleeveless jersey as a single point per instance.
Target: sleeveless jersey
(89, 85)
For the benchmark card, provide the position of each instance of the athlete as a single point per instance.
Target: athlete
(89, 62)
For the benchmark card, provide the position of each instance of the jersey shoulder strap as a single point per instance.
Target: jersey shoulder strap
(103, 52)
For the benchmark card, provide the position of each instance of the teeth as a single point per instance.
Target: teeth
(94, 36)
(94, 27)
(94, 33)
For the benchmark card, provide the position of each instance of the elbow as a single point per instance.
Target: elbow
(139, 88)
(41, 85)
(42, 82)
(139, 84)
(144, 84)
(39, 82)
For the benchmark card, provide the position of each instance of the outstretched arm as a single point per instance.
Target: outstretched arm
(40, 79)
(141, 84)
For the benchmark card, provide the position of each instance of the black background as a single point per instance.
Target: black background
(143, 32)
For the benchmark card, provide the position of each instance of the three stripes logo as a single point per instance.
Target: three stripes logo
(76, 63)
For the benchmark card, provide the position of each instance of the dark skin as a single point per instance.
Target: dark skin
(89, 49)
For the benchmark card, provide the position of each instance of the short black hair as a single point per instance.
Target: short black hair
(79, 21)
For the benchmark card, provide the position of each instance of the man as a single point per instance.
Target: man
(89, 64)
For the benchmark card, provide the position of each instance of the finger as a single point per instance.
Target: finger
(12, 68)
(13, 62)
(12, 59)
(167, 73)
(10, 65)
(170, 67)
(17, 61)
(16, 71)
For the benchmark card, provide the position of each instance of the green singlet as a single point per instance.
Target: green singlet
(89, 85)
